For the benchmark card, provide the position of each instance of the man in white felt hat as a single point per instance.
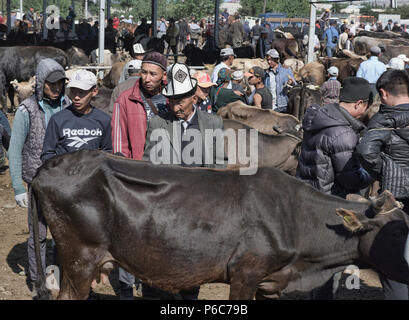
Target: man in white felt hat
(184, 117)
(405, 60)
(180, 128)
(138, 51)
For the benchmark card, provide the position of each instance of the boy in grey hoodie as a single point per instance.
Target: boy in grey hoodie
(26, 143)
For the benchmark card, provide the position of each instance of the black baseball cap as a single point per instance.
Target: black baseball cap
(255, 71)
(55, 76)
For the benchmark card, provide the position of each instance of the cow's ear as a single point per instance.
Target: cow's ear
(349, 220)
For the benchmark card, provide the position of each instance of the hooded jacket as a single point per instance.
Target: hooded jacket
(34, 119)
(384, 149)
(327, 160)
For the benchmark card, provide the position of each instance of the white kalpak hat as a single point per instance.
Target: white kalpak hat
(82, 79)
(403, 57)
(180, 83)
(138, 49)
(396, 63)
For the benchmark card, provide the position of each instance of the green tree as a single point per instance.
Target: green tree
(299, 8)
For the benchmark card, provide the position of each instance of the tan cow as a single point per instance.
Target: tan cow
(313, 73)
(23, 89)
(245, 64)
(265, 121)
(111, 80)
(294, 64)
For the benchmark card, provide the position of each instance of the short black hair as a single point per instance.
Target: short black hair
(395, 82)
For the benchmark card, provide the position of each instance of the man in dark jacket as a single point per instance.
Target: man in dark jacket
(327, 160)
(384, 151)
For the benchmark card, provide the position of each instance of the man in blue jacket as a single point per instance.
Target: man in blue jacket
(276, 77)
(331, 36)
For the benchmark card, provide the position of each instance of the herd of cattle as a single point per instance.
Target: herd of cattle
(261, 234)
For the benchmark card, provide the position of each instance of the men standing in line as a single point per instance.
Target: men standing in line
(26, 144)
(132, 110)
(372, 69)
(384, 148)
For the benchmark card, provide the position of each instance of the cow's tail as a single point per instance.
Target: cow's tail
(42, 292)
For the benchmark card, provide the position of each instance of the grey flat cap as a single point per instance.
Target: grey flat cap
(376, 50)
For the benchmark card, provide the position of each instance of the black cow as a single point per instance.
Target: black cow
(197, 57)
(21, 63)
(263, 233)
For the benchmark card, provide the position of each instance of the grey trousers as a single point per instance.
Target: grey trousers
(126, 277)
(42, 226)
(393, 290)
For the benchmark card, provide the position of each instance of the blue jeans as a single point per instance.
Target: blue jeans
(330, 51)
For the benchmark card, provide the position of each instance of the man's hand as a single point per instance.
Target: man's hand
(239, 93)
(22, 199)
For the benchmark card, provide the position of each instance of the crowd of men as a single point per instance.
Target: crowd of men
(339, 155)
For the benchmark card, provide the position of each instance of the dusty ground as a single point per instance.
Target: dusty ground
(13, 262)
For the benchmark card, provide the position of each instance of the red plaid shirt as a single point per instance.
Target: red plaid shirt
(330, 91)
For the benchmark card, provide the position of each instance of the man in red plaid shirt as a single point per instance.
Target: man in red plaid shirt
(330, 89)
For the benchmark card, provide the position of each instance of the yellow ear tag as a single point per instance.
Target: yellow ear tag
(347, 219)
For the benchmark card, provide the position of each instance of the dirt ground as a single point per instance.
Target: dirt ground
(14, 268)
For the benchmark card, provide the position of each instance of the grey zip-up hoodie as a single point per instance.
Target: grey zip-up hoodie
(35, 107)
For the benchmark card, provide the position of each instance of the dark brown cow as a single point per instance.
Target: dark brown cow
(301, 97)
(287, 48)
(265, 121)
(347, 67)
(278, 151)
(263, 234)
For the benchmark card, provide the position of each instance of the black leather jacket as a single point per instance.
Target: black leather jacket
(384, 149)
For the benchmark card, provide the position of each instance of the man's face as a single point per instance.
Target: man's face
(81, 99)
(359, 109)
(202, 93)
(253, 80)
(53, 90)
(152, 77)
(182, 108)
(272, 62)
(139, 57)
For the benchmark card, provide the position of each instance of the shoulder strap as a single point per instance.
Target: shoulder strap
(151, 104)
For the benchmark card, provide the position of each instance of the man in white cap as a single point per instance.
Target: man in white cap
(396, 63)
(275, 80)
(130, 70)
(372, 69)
(183, 125)
(227, 57)
(331, 88)
(138, 51)
(405, 60)
(237, 79)
(79, 126)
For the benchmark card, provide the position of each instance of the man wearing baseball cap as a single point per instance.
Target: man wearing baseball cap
(330, 89)
(227, 57)
(204, 85)
(275, 80)
(27, 138)
(262, 97)
(328, 161)
(79, 126)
